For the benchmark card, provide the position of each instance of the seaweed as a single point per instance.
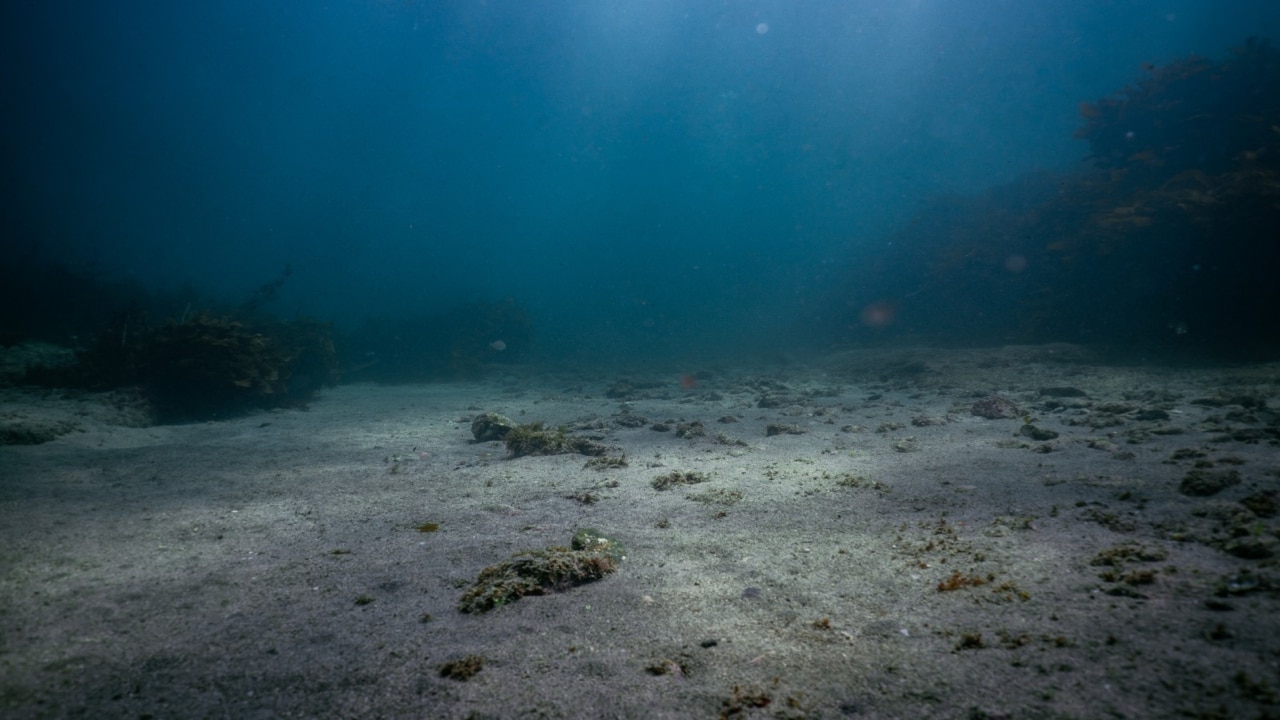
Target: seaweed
(537, 572)
(678, 477)
(535, 439)
(464, 669)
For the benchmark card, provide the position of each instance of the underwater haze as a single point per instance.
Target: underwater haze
(652, 179)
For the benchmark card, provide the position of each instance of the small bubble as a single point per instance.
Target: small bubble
(762, 28)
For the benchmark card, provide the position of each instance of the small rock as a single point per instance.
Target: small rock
(487, 427)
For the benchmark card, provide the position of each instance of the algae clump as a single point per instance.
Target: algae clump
(534, 439)
(540, 572)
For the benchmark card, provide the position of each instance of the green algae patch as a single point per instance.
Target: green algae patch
(545, 571)
(536, 439)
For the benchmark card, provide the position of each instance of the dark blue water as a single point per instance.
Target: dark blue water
(642, 177)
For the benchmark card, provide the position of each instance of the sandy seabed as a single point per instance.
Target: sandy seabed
(863, 546)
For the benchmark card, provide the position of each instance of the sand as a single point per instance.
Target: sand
(884, 553)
